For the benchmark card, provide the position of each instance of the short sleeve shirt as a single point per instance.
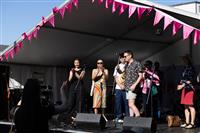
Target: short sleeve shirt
(132, 73)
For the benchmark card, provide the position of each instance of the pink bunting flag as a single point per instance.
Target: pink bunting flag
(140, 12)
(157, 18)
(24, 36)
(62, 12)
(115, 6)
(12, 53)
(131, 10)
(29, 37)
(7, 55)
(75, 2)
(187, 30)
(167, 22)
(176, 27)
(69, 6)
(1, 58)
(196, 36)
(51, 21)
(35, 33)
(19, 44)
(108, 2)
(43, 21)
(55, 10)
(38, 27)
(16, 49)
(122, 8)
(100, 1)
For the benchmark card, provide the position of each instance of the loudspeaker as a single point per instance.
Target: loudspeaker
(139, 124)
(90, 121)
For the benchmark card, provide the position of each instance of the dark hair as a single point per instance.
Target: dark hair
(148, 64)
(129, 52)
(121, 55)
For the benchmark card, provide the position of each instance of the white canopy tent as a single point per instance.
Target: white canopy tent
(92, 32)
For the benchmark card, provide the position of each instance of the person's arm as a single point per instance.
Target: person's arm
(179, 87)
(70, 75)
(118, 83)
(94, 74)
(81, 75)
(136, 83)
(105, 73)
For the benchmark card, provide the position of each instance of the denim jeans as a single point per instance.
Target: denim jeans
(121, 104)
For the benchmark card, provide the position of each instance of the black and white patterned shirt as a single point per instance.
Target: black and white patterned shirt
(132, 73)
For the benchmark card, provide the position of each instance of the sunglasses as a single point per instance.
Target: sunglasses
(99, 62)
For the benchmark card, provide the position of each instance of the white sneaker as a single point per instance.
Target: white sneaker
(120, 121)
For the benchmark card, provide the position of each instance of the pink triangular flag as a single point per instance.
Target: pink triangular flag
(19, 44)
(38, 27)
(140, 12)
(115, 6)
(187, 30)
(29, 37)
(75, 3)
(196, 36)
(122, 8)
(131, 10)
(69, 6)
(24, 36)
(176, 27)
(51, 21)
(157, 18)
(12, 53)
(43, 21)
(16, 49)
(100, 1)
(1, 58)
(6, 55)
(107, 3)
(167, 22)
(55, 10)
(35, 33)
(62, 12)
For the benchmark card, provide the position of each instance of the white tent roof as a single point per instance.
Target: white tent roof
(92, 31)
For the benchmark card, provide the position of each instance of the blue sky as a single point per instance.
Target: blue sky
(18, 16)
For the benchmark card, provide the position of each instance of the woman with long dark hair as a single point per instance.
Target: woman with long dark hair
(188, 92)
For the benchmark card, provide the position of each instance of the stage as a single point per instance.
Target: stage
(110, 128)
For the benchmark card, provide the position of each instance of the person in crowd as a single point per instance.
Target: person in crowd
(188, 92)
(98, 90)
(133, 75)
(121, 103)
(31, 116)
(149, 84)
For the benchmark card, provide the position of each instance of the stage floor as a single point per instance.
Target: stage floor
(110, 128)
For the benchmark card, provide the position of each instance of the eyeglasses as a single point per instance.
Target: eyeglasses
(125, 56)
(99, 62)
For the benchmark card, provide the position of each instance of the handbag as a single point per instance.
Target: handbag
(173, 121)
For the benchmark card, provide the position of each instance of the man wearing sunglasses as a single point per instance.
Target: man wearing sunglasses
(133, 75)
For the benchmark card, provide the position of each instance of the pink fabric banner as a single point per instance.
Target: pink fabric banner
(38, 27)
(7, 55)
(157, 18)
(122, 8)
(115, 6)
(176, 27)
(35, 33)
(149, 10)
(55, 10)
(187, 30)
(167, 22)
(62, 12)
(12, 53)
(19, 44)
(196, 37)
(108, 3)
(140, 12)
(68, 6)
(51, 20)
(75, 2)
(131, 10)
(16, 49)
